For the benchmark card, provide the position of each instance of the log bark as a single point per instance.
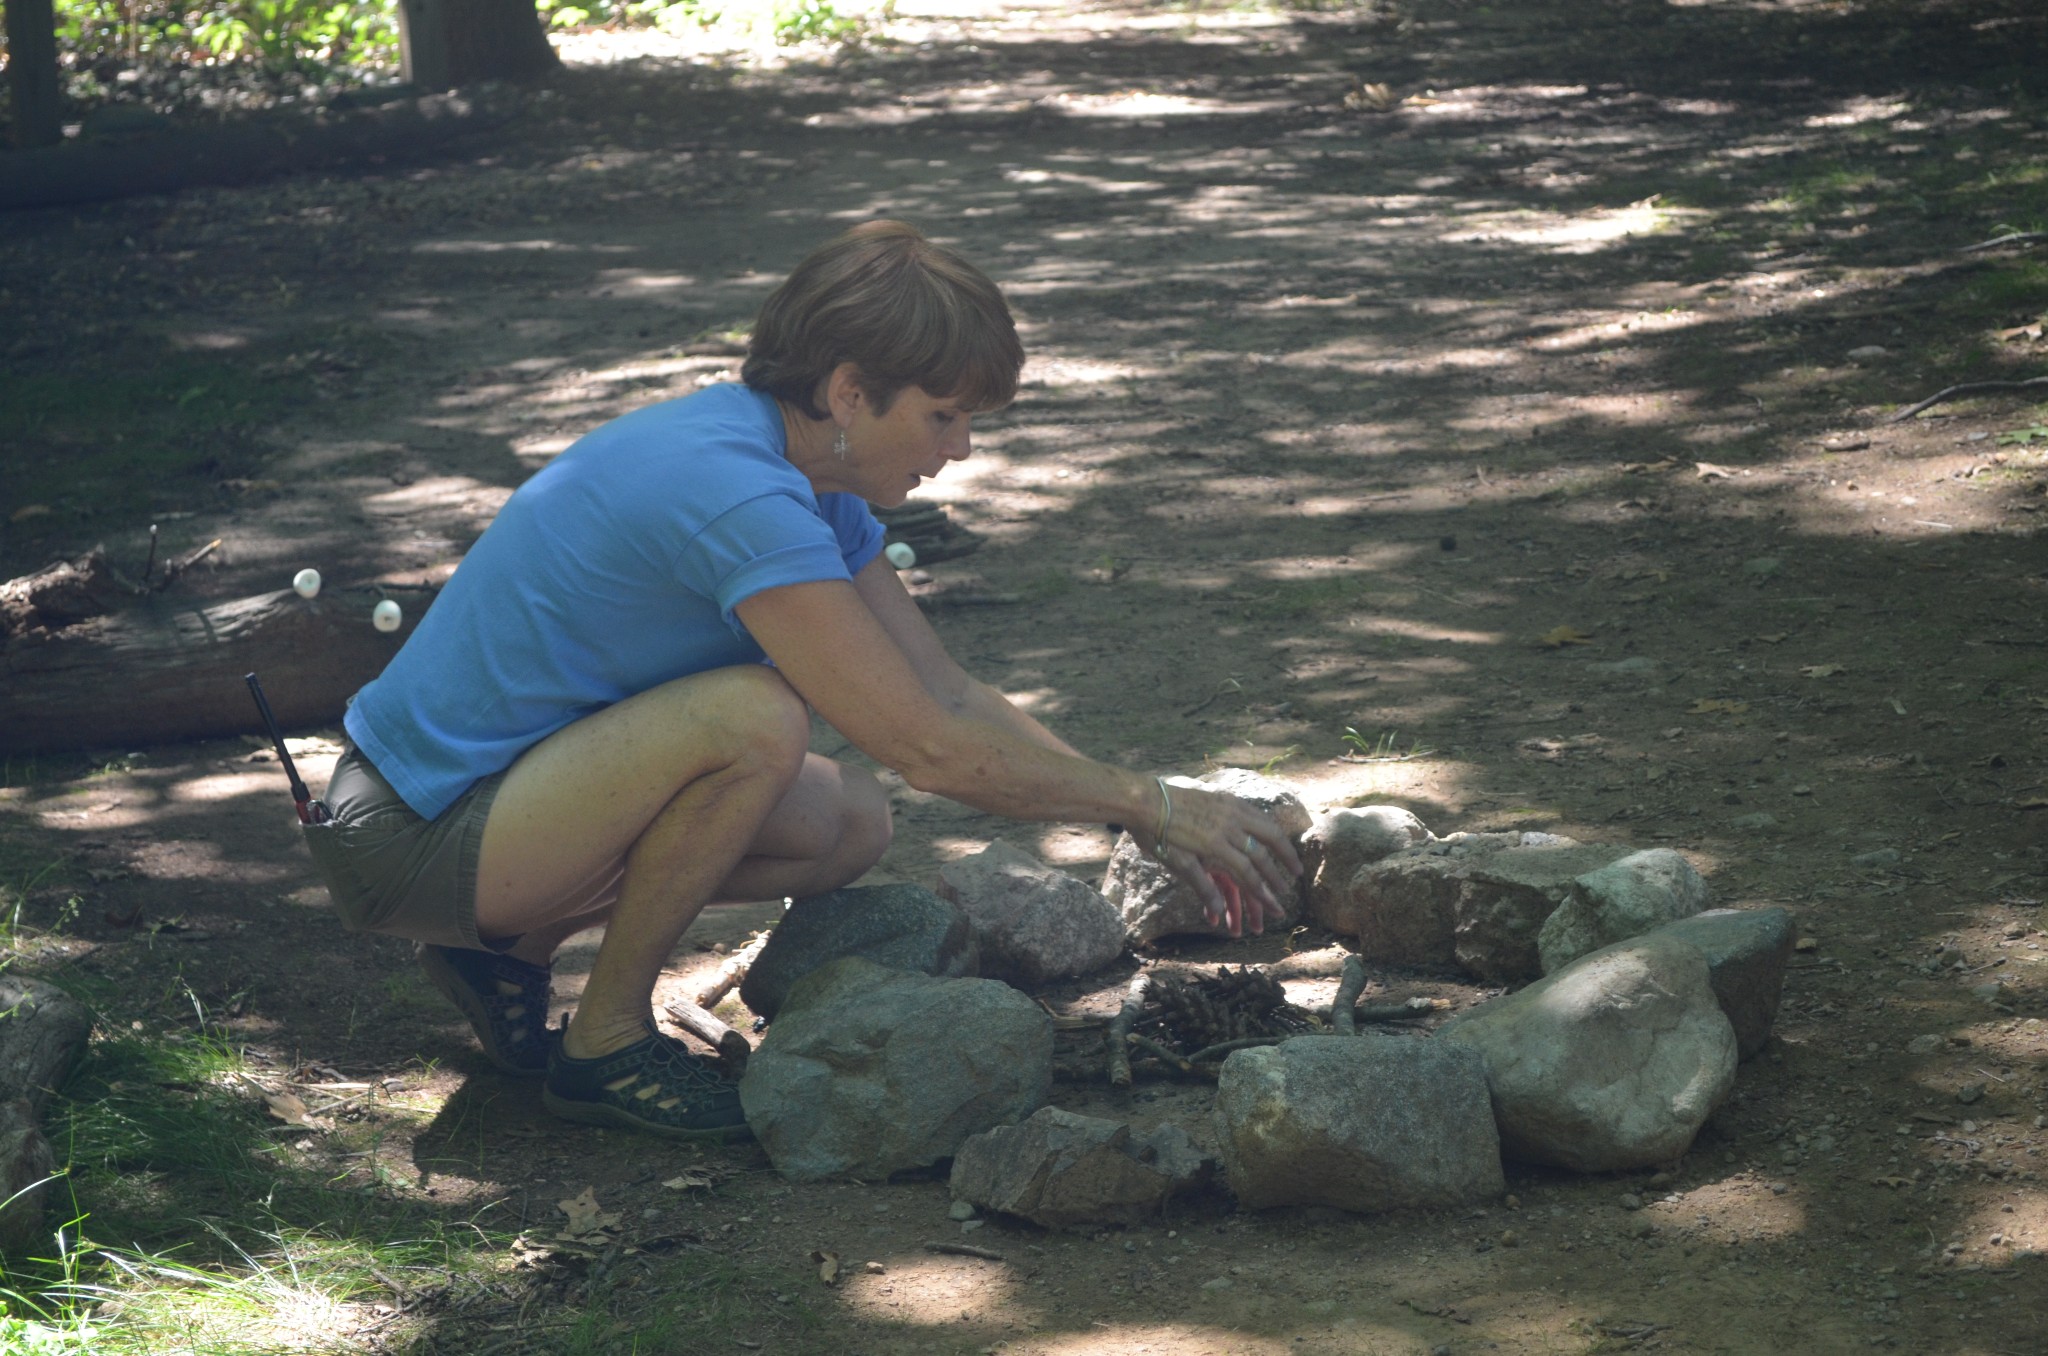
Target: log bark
(42, 1033)
(730, 972)
(90, 170)
(160, 671)
(731, 1046)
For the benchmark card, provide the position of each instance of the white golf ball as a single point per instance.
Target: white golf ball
(386, 616)
(900, 554)
(306, 583)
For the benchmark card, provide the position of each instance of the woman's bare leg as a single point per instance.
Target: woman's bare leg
(680, 781)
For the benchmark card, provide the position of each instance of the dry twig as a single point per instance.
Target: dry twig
(1343, 1010)
(1967, 388)
(1120, 1031)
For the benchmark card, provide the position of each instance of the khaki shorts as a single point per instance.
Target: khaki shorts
(390, 871)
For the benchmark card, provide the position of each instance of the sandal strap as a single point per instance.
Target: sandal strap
(655, 1084)
(512, 1027)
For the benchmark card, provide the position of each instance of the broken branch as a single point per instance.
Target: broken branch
(1967, 388)
(1342, 1014)
(1120, 1031)
(730, 972)
(731, 1046)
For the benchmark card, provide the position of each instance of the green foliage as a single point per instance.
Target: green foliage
(280, 34)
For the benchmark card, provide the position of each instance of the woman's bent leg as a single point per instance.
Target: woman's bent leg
(678, 781)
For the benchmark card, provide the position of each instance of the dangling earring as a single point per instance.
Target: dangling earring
(839, 448)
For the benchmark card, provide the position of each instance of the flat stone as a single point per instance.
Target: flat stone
(1152, 902)
(1610, 1064)
(870, 1070)
(1478, 901)
(1746, 951)
(1623, 899)
(1031, 923)
(1062, 1170)
(1361, 1123)
(904, 926)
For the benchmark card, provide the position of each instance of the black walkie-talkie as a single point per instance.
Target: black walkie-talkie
(310, 811)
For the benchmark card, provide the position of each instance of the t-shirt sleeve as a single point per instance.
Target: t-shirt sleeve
(758, 544)
(853, 522)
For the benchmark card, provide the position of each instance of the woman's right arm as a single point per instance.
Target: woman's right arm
(832, 650)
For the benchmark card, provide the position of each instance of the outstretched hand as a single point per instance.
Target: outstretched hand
(1233, 855)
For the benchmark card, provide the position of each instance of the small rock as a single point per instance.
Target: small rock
(1992, 991)
(1630, 1201)
(1762, 819)
(1880, 859)
(875, 1269)
(1216, 1283)
(1925, 1045)
(1510, 1239)
(1807, 944)
(1969, 1094)
(1868, 353)
(960, 1210)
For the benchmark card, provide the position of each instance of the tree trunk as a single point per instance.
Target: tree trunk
(447, 43)
(32, 70)
(157, 672)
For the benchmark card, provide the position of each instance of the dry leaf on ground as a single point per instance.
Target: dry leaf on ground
(1560, 636)
(1822, 670)
(828, 1266)
(586, 1216)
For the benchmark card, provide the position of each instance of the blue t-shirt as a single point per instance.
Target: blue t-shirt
(613, 570)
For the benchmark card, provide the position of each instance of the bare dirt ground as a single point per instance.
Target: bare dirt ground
(1343, 400)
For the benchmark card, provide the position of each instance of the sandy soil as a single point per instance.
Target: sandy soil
(1342, 401)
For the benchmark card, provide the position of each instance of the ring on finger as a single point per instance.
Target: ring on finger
(1251, 845)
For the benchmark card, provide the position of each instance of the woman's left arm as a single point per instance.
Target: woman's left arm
(941, 675)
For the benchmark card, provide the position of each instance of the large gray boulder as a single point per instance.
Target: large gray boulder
(1747, 951)
(1612, 1063)
(1063, 1170)
(1031, 923)
(870, 1070)
(1341, 841)
(906, 927)
(1363, 1123)
(1152, 902)
(1623, 899)
(1474, 900)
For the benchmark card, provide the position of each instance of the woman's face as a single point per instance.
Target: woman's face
(889, 454)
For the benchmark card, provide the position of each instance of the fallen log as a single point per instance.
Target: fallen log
(151, 670)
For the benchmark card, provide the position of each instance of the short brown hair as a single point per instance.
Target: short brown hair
(902, 310)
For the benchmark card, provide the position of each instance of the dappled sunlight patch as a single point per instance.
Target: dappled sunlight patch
(1860, 109)
(534, 246)
(1173, 1339)
(1570, 233)
(941, 1292)
(442, 493)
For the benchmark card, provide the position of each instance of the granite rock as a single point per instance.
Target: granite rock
(870, 1070)
(1610, 1064)
(1152, 902)
(1363, 1123)
(1031, 923)
(1747, 951)
(1626, 898)
(1062, 1170)
(904, 926)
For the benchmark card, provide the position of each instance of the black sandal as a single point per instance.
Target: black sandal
(512, 1027)
(655, 1086)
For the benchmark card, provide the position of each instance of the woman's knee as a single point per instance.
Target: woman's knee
(757, 713)
(867, 825)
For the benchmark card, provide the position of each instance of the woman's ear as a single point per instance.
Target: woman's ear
(843, 393)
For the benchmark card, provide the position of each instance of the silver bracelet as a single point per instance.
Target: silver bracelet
(1165, 820)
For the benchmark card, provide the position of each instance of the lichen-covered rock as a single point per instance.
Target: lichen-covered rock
(870, 1070)
(1623, 899)
(1363, 1123)
(1063, 1170)
(1612, 1063)
(1474, 900)
(1031, 923)
(1152, 902)
(1341, 841)
(1747, 951)
(903, 926)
